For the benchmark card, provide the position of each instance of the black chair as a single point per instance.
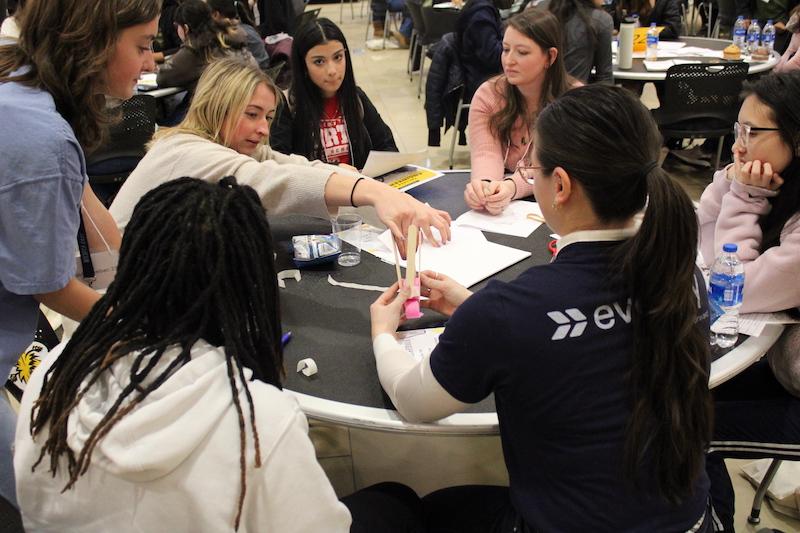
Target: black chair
(417, 37)
(436, 22)
(701, 101)
(10, 517)
(109, 166)
(305, 17)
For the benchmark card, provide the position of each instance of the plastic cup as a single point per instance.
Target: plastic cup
(347, 227)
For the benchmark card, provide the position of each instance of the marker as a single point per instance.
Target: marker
(285, 338)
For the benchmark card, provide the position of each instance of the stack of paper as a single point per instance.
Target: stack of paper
(753, 324)
(379, 163)
(419, 342)
(468, 258)
(663, 66)
(514, 220)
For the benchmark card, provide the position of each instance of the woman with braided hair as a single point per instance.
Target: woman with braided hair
(139, 400)
(164, 412)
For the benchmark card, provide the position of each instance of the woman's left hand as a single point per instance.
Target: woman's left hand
(386, 312)
(398, 211)
(759, 174)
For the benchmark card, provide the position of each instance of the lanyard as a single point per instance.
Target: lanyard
(83, 249)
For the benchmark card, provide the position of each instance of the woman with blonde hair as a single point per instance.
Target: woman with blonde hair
(225, 132)
(53, 81)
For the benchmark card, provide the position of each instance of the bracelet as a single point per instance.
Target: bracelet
(353, 190)
(515, 186)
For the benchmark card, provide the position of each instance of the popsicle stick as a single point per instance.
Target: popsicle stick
(411, 255)
(397, 262)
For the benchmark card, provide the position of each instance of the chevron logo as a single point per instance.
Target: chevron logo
(573, 323)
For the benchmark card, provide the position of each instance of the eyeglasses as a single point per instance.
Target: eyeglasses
(525, 170)
(741, 132)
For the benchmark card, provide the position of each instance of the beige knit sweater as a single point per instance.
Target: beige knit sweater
(285, 183)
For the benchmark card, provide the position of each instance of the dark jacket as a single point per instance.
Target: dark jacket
(480, 42)
(255, 44)
(443, 87)
(285, 134)
(666, 13)
(187, 65)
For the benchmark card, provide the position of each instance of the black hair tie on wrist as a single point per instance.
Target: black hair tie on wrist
(353, 190)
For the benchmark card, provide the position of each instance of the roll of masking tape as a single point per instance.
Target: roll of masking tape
(307, 367)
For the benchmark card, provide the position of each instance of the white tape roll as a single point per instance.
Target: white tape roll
(307, 367)
(288, 274)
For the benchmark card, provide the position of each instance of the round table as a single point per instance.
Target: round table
(331, 325)
(639, 73)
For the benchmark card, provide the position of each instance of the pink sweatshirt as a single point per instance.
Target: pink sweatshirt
(491, 157)
(729, 212)
(790, 60)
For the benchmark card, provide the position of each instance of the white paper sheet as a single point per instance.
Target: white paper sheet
(512, 221)
(663, 66)
(379, 163)
(468, 258)
(419, 342)
(670, 45)
(753, 324)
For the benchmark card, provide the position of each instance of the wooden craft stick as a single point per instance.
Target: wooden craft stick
(397, 262)
(411, 255)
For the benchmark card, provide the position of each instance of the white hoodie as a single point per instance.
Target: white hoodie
(172, 464)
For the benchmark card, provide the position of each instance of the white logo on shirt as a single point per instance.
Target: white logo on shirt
(572, 322)
(560, 318)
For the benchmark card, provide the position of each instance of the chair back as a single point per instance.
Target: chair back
(438, 22)
(305, 17)
(415, 10)
(706, 94)
(129, 137)
(125, 147)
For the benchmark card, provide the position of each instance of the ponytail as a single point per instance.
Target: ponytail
(607, 141)
(671, 409)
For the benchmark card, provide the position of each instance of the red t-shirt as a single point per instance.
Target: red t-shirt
(333, 132)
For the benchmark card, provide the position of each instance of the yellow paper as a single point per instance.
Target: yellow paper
(416, 176)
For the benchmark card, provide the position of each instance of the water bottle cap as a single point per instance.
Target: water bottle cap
(729, 247)
(740, 17)
(652, 24)
(769, 21)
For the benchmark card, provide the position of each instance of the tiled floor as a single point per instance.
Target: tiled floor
(382, 74)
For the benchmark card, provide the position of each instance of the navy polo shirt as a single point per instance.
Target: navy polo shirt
(554, 347)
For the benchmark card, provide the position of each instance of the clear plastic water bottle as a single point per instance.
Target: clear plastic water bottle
(740, 34)
(725, 287)
(768, 36)
(652, 43)
(753, 37)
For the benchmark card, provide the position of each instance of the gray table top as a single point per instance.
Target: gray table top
(639, 72)
(331, 324)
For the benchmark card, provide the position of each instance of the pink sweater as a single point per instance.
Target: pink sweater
(492, 158)
(729, 212)
(790, 60)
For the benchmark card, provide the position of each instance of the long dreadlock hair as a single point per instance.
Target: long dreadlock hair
(196, 263)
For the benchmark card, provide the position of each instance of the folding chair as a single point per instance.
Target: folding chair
(701, 101)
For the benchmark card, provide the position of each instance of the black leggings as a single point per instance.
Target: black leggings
(394, 508)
